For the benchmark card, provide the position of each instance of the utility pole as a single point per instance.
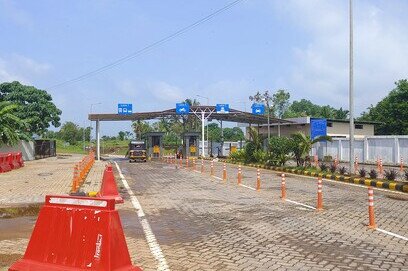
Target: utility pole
(351, 90)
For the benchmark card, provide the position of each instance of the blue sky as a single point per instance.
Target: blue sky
(298, 45)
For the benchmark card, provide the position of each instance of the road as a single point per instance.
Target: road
(203, 223)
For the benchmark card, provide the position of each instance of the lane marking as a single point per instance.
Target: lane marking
(217, 178)
(197, 171)
(392, 234)
(154, 246)
(243, 185)
(301, 204)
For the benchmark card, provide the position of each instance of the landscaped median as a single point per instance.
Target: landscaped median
(348, 179)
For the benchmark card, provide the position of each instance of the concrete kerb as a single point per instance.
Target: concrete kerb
(354, 180)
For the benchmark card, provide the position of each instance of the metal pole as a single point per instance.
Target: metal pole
(351, 91)
(202, 133)
(222, 139)
(269, 123)
(98, 143)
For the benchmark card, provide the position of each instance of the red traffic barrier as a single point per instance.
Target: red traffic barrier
(76, 233)
(20, 159)
(109, 190)
(14, 160)
(5, 162)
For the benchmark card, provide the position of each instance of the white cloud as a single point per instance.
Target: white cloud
(165, 92)
(321, 69)
(21, 68)
(10, 11)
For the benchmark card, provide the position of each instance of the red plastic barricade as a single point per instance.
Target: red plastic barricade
(76, 233)
(109, 190)
(5, 162)
(13, 160)
(20, 159)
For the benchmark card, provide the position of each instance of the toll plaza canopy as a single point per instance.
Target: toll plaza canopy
(233, 116)
(203, 112)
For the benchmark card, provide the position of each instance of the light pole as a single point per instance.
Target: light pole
(269, 125)
(208, 103)
(351, 90)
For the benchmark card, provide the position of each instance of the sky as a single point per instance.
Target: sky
(297, 45)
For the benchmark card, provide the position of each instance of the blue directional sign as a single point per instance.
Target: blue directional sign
(125, 109)
(182, 108)
(222, 108)
(318, 127)
(258, 109)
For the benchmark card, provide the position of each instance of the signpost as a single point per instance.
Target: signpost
(318, 127)
(258, 109)
(125, 109)
(182, 108)
(222, 108)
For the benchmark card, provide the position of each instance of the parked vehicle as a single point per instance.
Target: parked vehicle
(137, 151)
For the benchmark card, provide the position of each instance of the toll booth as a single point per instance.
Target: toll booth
(190, 144)
(154, 144)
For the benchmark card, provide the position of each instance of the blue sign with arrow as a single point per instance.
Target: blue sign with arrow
(182, 108)
(125, 109)
(258, 109)
(222, 108)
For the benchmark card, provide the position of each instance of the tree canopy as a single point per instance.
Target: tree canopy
(12, 128)
(35, 106)
(392, 111)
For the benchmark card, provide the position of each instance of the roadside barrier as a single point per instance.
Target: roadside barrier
(76, 233)
(371, 218)
(10, 161)
(212, 168)
(4, 162)
(14, 160)
(239, 175)
(319, 194)
(109, 190)
(258, 179)
(81, 171)
(202, 165)
(283, 187)
(224, 172)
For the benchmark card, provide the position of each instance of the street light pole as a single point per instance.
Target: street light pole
(208, 103)
(351, 91)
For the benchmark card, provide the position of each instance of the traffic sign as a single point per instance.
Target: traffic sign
(125, 109)
(258, 109)
(222, 108)
(318, 127)
(182, 108)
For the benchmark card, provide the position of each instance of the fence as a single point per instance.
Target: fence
(389, 148)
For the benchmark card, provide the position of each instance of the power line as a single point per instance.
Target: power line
(147, 48)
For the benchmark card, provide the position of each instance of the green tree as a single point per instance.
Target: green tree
(280, 102)
(12, 128)
(302, 145)
(214, 132)
(121, 135)
(233, 134)
(392, 111)
(140, 127)
(70, 133)
(36, 106)
(280, 149)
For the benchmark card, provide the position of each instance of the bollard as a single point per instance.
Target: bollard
(336, 161)
(181, 162)
(194, 164)
(371, 218)
(401, 164)
(283, 187)
(202, 165)
(212, 167)
(187, 162)
(316, 160)
(224, 172)
(258, 179)
(239, 175)
(381, 167)
(75, 184)
(319, 194)
(355, 165)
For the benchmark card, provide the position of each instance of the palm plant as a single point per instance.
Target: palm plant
(12, 128)
(303, 145)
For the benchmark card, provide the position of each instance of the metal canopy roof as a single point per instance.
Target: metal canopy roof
(233, 116)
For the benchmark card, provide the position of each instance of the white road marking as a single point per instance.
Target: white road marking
(243, 185)
(392, 234)
(197, 171)
(301, 204)
(150, 237)
(217, 178)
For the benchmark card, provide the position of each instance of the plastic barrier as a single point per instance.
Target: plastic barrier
(14, 161)
(76, 233)
(5, 162)
(81, 171)
(20, 159)
(109, 190)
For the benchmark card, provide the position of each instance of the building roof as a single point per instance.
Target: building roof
(233, 116)
(306, 120)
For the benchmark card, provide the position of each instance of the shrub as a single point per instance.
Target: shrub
(238, 155)
(280, 149)
(391, 174)
(362, 172)
(327, 158)
(333, 168)
(323, 167)
(260, 156)
(342, 170)
(373, 174)
(249, 152)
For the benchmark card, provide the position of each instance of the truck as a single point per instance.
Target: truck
(137, 151)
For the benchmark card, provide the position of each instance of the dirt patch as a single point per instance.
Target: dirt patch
(8, 259)
(19, 211)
